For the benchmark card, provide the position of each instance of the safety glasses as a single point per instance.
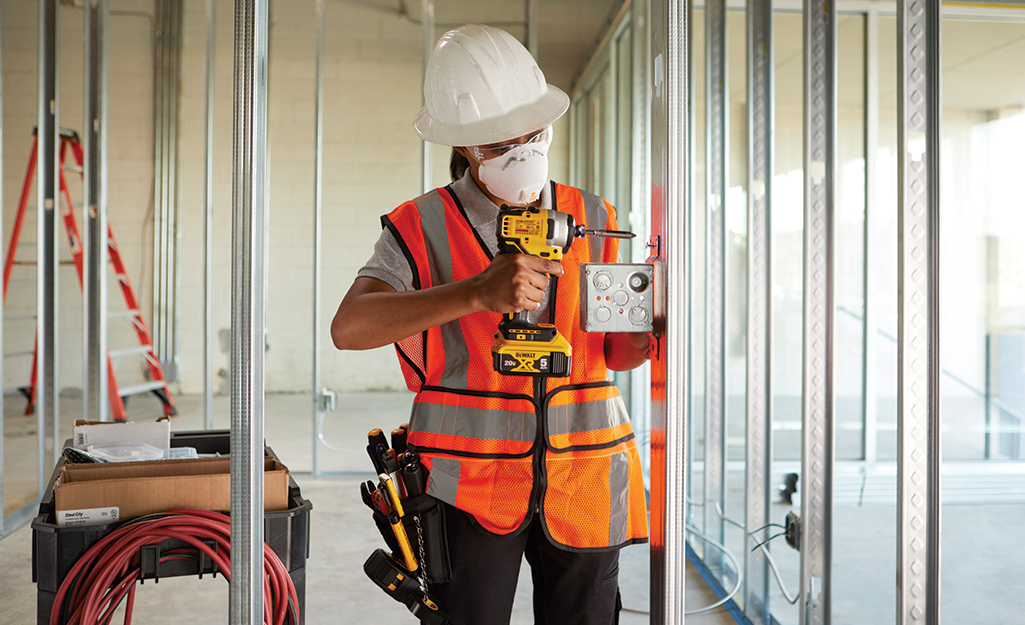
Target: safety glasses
(540, 138)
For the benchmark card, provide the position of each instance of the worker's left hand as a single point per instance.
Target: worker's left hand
(641, 341)
(627, 350)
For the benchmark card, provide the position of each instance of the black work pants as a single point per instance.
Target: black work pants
(570, 588)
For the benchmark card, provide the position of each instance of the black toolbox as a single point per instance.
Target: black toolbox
(56, 549)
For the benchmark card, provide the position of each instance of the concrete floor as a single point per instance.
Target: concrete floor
(342, 535)
(981, 547)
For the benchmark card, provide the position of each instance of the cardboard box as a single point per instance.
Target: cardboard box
(100, 493)
(156, 433)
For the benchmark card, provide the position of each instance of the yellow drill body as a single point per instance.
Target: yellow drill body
(521, 347)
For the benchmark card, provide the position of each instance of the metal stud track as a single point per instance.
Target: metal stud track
(918, 433)
(817, 392)
(759, 236)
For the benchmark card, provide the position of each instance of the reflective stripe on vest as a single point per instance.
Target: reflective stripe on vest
(482, 425)
(576, 420)
(433, 221)
(477, 430)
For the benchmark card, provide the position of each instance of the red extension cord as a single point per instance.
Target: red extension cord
(107, 572)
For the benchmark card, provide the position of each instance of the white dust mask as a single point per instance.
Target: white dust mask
(519, 172)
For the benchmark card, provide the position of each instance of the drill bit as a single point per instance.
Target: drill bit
(582, 231)
(615, 234)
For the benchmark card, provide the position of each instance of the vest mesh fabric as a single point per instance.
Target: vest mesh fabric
(478, 431)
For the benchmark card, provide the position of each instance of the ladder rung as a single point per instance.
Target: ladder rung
(141, 349)
(141, 388)
(28, 263)
(75, 169)
(19, 354)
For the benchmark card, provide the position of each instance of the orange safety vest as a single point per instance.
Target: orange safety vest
(503, 447)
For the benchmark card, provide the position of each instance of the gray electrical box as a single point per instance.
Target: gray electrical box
(616, 297)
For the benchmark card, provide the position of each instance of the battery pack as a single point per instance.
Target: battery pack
(536, 349)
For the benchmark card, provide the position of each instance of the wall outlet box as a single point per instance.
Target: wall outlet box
(792, 530)
(616, 297)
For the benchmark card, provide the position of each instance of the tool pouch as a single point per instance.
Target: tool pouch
(435, 542)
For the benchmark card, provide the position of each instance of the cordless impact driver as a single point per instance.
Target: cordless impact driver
(522, 347)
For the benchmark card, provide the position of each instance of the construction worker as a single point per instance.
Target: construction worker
(541, 467)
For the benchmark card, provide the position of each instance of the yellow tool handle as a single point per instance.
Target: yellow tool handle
(404, 546)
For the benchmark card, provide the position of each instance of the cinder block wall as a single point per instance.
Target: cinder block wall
(372, 76)
(130, 174)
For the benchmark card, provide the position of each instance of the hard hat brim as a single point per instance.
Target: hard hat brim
(516, 123)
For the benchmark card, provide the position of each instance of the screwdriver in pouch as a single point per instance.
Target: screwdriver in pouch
(376, 437)
(395, 519)
(398, 441)
(404, 544)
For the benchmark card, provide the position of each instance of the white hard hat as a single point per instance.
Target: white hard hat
(481, 87)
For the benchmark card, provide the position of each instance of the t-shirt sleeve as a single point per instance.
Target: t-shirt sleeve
(389, 264)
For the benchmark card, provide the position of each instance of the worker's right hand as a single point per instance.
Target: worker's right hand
(515, 282)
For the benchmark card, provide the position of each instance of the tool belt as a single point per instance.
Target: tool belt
(412, 524)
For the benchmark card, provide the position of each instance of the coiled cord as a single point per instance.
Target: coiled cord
(105, 575)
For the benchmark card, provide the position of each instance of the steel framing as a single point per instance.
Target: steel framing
(47, 408)
(870, 409)
(817, 392)
(47, 395)
(167, 213)
(640, 199)
(94, 282)
(760, 137)
(249, 206)
(716, 132)
(691, 263)
(3, 519)
(318, 202)
(427, 26)
(532, 18)
(918, 388)
(670, 165)
(208, 221)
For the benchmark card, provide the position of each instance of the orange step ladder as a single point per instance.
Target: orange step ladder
(157, 384)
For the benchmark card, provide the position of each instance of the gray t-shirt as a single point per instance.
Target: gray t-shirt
(389, 264)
